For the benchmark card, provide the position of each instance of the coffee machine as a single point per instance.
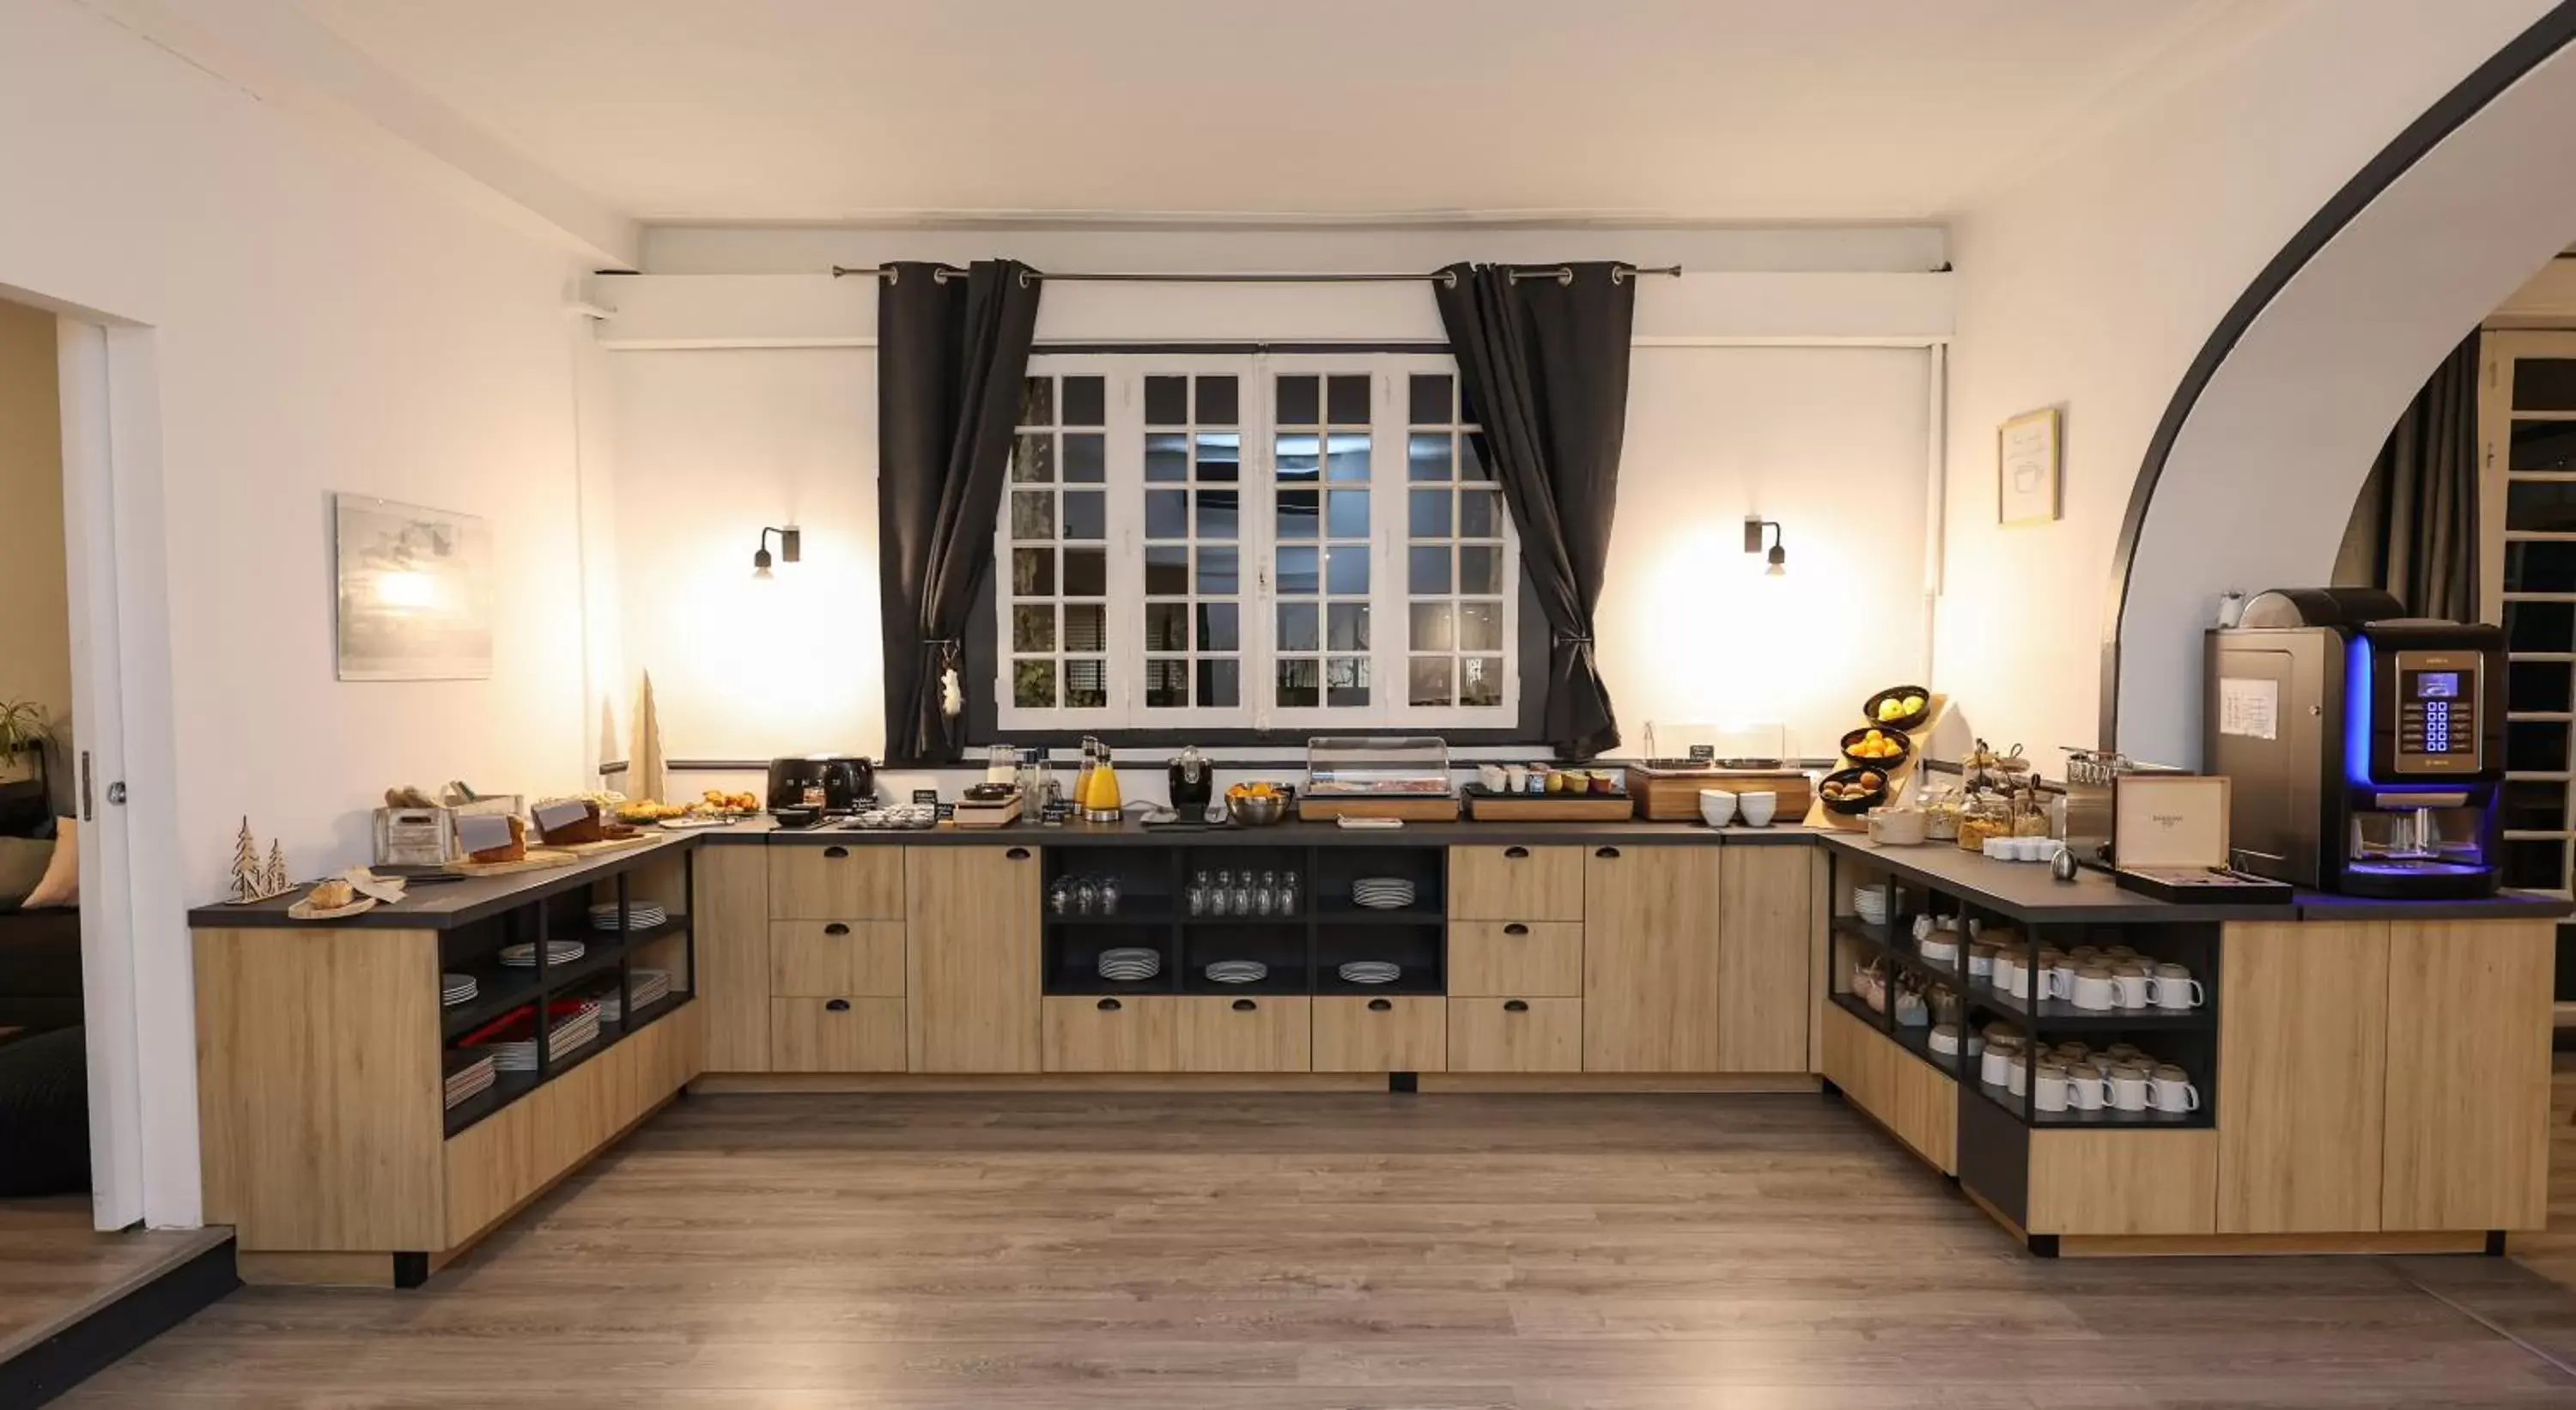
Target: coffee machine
(2366, 747)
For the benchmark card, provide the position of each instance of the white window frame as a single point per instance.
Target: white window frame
(1389, 598)
(2498, 351)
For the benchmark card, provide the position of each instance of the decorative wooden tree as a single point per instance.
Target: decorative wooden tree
(249, 882)
(275, 880)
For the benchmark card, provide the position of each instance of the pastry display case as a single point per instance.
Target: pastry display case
(1405, 777)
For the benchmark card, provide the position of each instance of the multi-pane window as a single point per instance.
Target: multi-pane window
(1193, 534)
(1250, 542)
(1056, 518)
(2528, 412)
(1454, 554)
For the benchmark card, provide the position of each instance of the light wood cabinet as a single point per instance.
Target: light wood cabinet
(836, 1035)
(1516, 883)
(972, 958)
(1516, 958)
(1266, 1034)
(1653, 979)
(2117, 1183)
(1515, 1035)
(1762, 957)
(836, 880)
(2467, 1121)
(832, 959)
(1917, 1104)
(1397, 1033)
(1127, 1034)
(731, 929)
(2302, 1077)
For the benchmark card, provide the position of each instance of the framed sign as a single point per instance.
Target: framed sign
(2026, 454)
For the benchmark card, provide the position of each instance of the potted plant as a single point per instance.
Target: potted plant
(25, 731)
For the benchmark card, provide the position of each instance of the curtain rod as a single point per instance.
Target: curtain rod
(1562, 274)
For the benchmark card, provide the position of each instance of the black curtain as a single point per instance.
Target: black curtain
(951, 356)
(1543, 359)
(2414, 528)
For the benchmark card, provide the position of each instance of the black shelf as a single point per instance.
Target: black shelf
(1885, 941)
(2106, 1119)
(1132, 910)
(1291, 918)
(509, 1087)
(1087, 985)
(1851, 1004)
(1917, 1041)
(2060, 1016)
(506, 987)
(1280, 981)
(1328, 982)
(1342, 912)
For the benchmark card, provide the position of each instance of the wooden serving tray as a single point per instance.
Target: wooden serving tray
(1674, 797)
(1485, 806)
(1417, 808)
(538, 859)
(1002, 814)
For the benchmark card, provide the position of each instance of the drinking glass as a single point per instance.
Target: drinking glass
(1085, 897)
(1109, 895)
(1289, 891)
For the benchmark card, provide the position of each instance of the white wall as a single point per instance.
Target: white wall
(2090, 284)
(35, 626)
(319, 323)
(1830, 441)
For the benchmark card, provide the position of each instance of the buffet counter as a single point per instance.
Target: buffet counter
(2365, 1075)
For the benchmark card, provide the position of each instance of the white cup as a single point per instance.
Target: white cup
(1942, 1039)
(1940, 947)
(2017, 1077)
(2174, 991)
(2130, 990)
(1994, 1067)
(2092, 992)
(2052, 1096)
(2058, 980)
(1923, 926)
(1757, 808)
(1716, 806)
(2131, 1092)
(2006, 970)
(2019, 988)
(2090, 1092)
(1492, 777)
(1999, 848)
(2173, 1094)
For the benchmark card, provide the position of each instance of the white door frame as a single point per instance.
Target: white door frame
(137, 977)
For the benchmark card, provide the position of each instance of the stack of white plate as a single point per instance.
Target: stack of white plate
(1370, 972)
(1383, 893)
(651, 987)
(524, 956)
(1870, 904)
(1130, 964)
(454, 989)
(1238, 971)
(640, 915)
(469, 1080)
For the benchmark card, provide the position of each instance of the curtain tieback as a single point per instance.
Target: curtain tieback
(1573, 639)
(952, 695)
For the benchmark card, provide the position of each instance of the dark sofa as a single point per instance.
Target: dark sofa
(40, 969)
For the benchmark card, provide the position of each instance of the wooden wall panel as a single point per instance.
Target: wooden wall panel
(2302, 1077)
(2469, 1030)
(1652, 977)
(731, 930)
(1763, 959)
(973, 952)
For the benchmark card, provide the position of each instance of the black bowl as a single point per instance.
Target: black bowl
(1852, 807)
(1869, 707)
(1904, 747)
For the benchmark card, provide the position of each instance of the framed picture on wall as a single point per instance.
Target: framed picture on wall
(2026, 469)
(415, 592)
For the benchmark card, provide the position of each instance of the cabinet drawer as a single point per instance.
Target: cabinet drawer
(1251, 1034)
(1399, 1033)
(835, 959)
(836, 1035)
(1515, 1035)
(1134, 1034)
(835, 881)
(1516, 958)
(1516, 883)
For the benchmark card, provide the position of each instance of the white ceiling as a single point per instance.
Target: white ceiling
(869, 110)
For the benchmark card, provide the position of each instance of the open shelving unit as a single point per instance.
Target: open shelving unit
(1304, 946)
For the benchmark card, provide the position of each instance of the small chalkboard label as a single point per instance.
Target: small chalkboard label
(946, 811)
(1055, 812)
(925, 795)
(1703, 753)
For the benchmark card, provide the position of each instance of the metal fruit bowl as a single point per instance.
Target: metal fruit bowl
(1256, 812)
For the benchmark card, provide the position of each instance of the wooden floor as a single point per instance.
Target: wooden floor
(55, 1269)
(1330, 1250)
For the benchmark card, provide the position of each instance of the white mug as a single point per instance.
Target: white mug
(2131, 990)
(1999, 848)
(1923, 927)
(2058, 981)
(2090, 1092)
(2000, 973)
(2090, 991)
(2132, 1091)
(2052, 1096)
(2173, 1094)
(2020, 986)
(1995, 1067)
(1944, 1038)
(2175, 991)
(2017, 1077)
(1940, 947)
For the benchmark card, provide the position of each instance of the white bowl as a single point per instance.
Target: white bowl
(1716, 806)
(1757, 808)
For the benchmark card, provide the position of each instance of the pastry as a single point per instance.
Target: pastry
(331, 895)
(516, 850)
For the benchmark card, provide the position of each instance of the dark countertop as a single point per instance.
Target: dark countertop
(2022, 890)
(2025, 891)
(446, 905)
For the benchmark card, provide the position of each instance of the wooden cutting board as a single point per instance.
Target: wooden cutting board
(538, 859)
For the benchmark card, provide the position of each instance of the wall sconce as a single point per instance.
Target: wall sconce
(1754, 524)
(791, 543)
